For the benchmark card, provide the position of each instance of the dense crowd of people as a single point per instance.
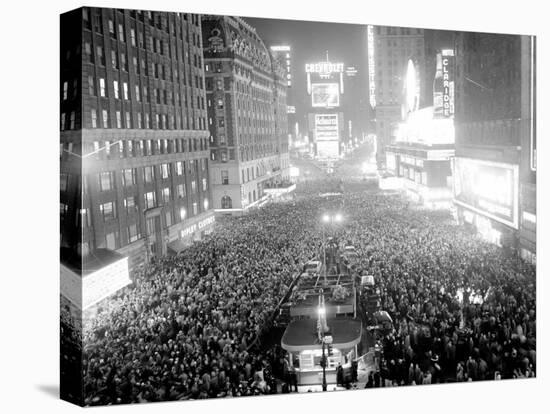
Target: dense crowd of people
(463, 309)
(184, 329)
(187, 326)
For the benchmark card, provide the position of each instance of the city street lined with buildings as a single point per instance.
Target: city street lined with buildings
(243, 213)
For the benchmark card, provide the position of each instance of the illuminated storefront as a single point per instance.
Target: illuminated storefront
(192, 230)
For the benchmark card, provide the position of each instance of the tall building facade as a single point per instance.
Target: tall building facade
(134, 137)
(283, 53)
(421, 152)
(495, 166)
(247, 119)
(389, 50)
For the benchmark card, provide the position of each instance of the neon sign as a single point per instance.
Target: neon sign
(371, 65)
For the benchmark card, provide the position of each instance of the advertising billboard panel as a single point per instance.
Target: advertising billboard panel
(422, 127)
(327, 149)
(326, 127)
(489, 188)
(325, 95)
(85, 291)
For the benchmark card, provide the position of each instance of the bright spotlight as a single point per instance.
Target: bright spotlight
(321, 311)
(326, 218)
(338, 218)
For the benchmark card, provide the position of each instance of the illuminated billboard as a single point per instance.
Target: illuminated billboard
(325, 95)
(328, 149)
(86, 290)
(422, 127)
(326, 127)
(489, 188)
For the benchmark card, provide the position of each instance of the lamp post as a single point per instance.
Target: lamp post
(321, 328)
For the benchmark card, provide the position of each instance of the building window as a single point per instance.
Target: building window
(166, 195)
(111, 240)
(93, 114)
(227, 202)
(129, 148)
(105, 119)
(195, 208)
(150, 199)
(133, 233)
(114, 59)
(91, 85)
(128, 120)
(116, 89)
(139, 120)
(106, 180)
(179, 168)
(65, 90)
(183, 213)
(165, 171)
(125, 90)
(138, 98)
(88, 52)
(108, 210)
(204, 184)
(129, 177)
(118, 119)
(225, 177)
(130, 205)
(100, 56)
(121, 32)
(180, 190)
(145, 94)
(72, 120)
(193, 187)
(102, 87)
(133, 37)
(147, 121)
(149, 173)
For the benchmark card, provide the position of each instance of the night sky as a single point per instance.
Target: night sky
(309, 42)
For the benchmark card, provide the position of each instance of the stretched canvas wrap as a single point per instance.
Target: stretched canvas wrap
(254, 206)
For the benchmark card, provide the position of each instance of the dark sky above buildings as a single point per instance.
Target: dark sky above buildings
(310, 41)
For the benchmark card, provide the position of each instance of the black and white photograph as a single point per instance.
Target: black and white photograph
(278, 210)
(256, 206)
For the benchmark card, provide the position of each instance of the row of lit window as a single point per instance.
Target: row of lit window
(159, 70)
(145, 17)
(129, 176)
(121, 90)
